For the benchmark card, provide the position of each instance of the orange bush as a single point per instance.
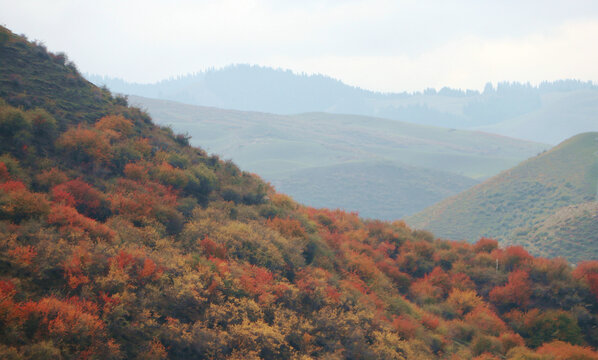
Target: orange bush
(149, 268)
(286, 227)
(463, 301)
(62, 319)
(256, 280)
(136, 171)
(51, 177)
(17, 203)
(559, 350)
(115, 126)
(73, 267)
(485, 245)
(85, 145)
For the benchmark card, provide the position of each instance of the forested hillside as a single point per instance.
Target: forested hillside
(118, 240)
(547, 204)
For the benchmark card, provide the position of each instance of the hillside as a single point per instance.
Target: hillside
(118, 240)
(392, 191)
(288, 150)
(534, 204)
(509, 109)
(570, 232)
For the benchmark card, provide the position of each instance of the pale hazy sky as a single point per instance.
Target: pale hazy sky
(375, 44)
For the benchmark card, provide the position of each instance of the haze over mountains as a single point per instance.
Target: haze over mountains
(561, 108)
(548, 203)
(381, 168)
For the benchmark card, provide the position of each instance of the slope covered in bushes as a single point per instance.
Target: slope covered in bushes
(118, 240)
(546, 203)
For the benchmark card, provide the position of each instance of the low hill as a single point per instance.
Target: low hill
(119, 240)
(288, 150)
(379, 190)
(509, 109)
(530, 204)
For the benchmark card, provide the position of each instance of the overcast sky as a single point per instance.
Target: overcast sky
(375, 44)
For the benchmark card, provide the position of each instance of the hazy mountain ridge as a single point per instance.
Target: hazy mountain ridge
(287, 149)
(521, 205)
(506, 108)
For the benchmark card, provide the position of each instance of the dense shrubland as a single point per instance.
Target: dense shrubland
(118, 240)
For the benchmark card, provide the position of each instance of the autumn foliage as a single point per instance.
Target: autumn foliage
(516, 292)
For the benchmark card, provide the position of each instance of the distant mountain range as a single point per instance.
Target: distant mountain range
(548, 113)
(381, 168)
(548, 203)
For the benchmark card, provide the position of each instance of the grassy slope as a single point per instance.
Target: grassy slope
(570, 232)
(393, 190)
(35, 78)
(284, 149)
(518, 201)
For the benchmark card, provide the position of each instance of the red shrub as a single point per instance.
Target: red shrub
(71, 222)
(79, 194)
(517, 291)
(213, 249)
(4, 174)
(257, 281)
(73, 268)
(140, 201)
(23, 255)
(430, 321)
(149, 268)
(588, 272)
(405, 326)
